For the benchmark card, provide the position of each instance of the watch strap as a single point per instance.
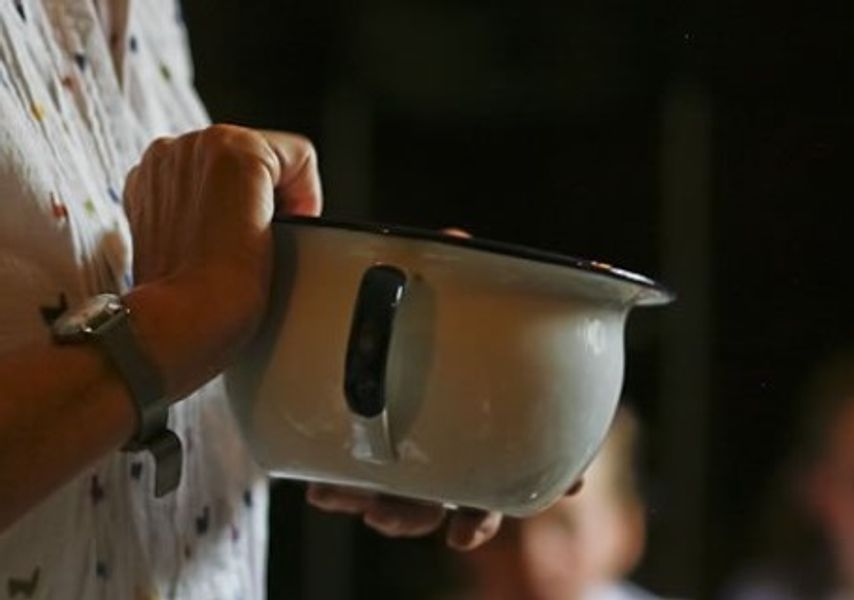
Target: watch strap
(148, 395)
(165, 449)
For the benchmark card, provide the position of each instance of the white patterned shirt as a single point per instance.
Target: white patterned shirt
(85, 86)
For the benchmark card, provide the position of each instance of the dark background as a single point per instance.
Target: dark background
(708, 144)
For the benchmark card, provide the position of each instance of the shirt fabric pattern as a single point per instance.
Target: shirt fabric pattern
(85, 86)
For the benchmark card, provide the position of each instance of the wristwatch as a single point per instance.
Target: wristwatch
(105, 321)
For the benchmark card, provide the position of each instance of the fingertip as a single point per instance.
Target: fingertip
(471, 529)
(315, 494)
(298, 206)
(335, 499)
(403, 518)
(388, 526)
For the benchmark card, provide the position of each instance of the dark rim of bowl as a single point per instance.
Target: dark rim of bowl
(655, 292)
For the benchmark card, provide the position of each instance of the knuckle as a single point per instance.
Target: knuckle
(220, 136)
(157, 150)
(230, 146)
(160, 146)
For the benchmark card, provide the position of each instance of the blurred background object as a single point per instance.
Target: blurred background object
(807, 547)
(582, 548)
(708, 143)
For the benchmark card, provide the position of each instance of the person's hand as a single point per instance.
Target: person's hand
(398, 517)
(200, 207)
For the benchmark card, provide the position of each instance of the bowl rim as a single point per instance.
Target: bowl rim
(652, 292)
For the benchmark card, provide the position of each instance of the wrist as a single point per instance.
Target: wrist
(104, 321)
(192, 326)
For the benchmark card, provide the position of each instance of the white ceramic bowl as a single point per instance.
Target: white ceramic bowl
(458, 371)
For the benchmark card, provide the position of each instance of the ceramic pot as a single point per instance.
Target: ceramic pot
(458, 371)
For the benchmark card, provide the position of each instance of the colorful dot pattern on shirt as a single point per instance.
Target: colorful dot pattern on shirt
(83, 72)
(38, 111)
(96, 490)
(203, 521)
(19, 6)
(102, 570)
(89, 207)
(57, 207)
(26, 587)
(80, 60)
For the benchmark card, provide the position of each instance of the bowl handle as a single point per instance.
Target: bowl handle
(380, 293)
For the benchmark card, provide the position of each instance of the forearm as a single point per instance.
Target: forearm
(61, 408)
(199, 207)
(64, 406)
(189, 329)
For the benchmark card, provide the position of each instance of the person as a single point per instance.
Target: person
(579, 549)
(89, 506)
(809, 520)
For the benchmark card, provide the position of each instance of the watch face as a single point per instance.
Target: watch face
(87, 317)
